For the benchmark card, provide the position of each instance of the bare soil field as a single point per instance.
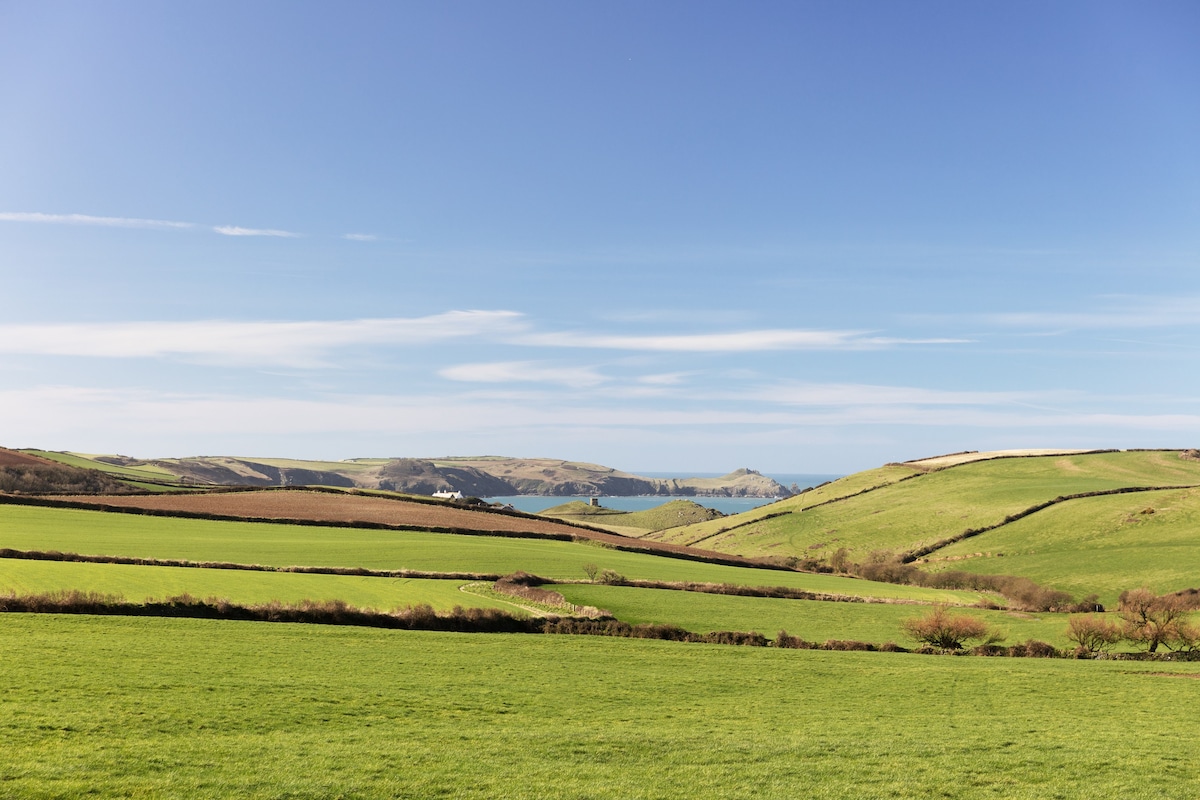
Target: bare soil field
(337, 508)
(11, 458)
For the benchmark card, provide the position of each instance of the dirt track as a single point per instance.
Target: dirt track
(336, 508)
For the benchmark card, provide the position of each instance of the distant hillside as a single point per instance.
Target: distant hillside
(1099, 521)
(22, 473)
(480, 477)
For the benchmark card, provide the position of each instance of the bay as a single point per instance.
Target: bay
(533, 504)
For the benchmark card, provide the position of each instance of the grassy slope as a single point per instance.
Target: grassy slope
(843, 487)
(86, 461)
(98, 533)
(938, 505)
(186, 708)
(1098, 544)
(136, 583)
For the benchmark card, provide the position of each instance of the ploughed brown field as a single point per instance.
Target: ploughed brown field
(336, 508)
(11, 458)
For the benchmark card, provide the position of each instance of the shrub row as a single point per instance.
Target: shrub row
(783, 592)
(1022, 593)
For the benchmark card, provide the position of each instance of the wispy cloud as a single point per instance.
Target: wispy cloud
(523, 372)
(732, 342)
(233, 230)
(135, 222)
(851, 394)
(302, 344)
(1109, 312)
(361, 237)
(86, 219)
(130, 414)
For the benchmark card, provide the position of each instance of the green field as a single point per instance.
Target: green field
(100, 533)
(145, 472)
(812, 620)
(935, 506)
(1095, 544)
(152, 707)
(110, 707)
(136, 583)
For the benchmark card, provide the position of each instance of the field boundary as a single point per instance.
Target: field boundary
(77, 558)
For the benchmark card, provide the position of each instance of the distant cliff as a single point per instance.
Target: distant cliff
(487, 476)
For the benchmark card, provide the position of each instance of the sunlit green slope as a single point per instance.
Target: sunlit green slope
(921, 511)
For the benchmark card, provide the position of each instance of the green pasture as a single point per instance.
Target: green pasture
(813, 620)
(842, 487)
(110, 707)
(145, 472)
(938, 505)
(137, 583)
(1095, 544)
(101, 533)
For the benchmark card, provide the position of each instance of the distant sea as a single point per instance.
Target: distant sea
(532, 504)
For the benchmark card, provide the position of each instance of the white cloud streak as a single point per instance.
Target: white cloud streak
(243, 343)
(58, 411)
(233, 230)
(523, 372)
(134, 222)
(360, 237)
(732, 342)
(852, 394)
(85, 219)
(1113, 313)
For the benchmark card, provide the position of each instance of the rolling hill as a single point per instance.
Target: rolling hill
(1100, 521)
(486, 476)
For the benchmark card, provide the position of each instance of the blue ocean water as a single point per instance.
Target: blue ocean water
(532, 504)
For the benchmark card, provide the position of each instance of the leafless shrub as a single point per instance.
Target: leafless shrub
(945, 631)
(1093, 634)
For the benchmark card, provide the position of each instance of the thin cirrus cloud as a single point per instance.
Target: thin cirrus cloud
(851, 394)
(51, 410)
(1110, 312)
(731, 342)
(223, 341)
(523, 372)
(234, 230)
(136, 222)
(87, 219)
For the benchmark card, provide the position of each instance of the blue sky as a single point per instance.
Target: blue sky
(794, 236)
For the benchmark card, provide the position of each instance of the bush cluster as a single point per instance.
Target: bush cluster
(46, 479)
(526, 586)
(1022, 593)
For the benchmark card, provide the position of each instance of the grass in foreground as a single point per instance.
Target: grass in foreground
(151, 707)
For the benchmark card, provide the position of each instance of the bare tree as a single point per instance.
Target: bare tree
(1094, 634)
(1149, 619)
